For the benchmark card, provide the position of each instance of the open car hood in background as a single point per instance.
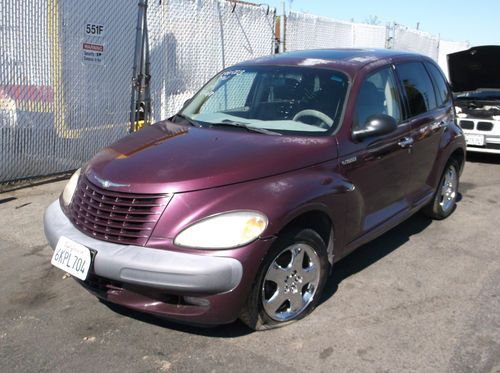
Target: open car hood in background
(475, 68)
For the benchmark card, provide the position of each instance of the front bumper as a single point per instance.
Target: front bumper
(132, 273)
(168, 270)
(491, 135)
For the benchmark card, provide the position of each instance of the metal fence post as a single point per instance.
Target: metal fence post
(390, 34)
(282, 28)
(140, 107)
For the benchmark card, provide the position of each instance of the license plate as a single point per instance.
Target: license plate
(477, 140)
(72, 258)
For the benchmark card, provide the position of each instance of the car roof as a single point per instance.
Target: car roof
(349, 60)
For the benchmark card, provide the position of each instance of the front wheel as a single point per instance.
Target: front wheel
(445, 198)
(290, 281)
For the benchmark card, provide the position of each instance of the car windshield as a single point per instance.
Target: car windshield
(271, 100)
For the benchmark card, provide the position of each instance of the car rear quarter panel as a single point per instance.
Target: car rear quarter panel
(452, 141)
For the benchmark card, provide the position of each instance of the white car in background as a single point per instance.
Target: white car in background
(8, 114)
(475, 80)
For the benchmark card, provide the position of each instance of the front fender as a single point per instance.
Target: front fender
(282, 198)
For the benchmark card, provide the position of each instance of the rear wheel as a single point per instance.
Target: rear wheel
(290, 281)
(445, 198)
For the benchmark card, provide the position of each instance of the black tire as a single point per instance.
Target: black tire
(442, 206)
(305, 243)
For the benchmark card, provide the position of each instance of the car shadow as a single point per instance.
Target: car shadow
(373, 251)
(483, 158)
(235, 329)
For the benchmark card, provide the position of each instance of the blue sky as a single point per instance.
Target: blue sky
(475, 21)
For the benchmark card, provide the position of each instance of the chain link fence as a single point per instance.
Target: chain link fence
(65, 69)
(66, 66)
(306, 31)
(416, 41)
(190, 41)
(370, 36)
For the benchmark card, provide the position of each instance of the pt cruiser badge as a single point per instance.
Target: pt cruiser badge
(107, 183)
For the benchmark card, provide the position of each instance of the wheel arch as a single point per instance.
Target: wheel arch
(317, 220)
(458, 155)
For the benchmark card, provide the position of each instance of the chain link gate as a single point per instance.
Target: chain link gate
(64, 82)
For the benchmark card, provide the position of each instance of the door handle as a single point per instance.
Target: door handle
(406, 142)
(438, 125)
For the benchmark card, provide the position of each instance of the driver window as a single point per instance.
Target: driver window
(378, 95)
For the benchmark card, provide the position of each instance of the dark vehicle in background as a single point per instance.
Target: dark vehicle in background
(239, 205)
(475, 79)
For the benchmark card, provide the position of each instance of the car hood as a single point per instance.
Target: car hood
(171, 158)
(475, 68)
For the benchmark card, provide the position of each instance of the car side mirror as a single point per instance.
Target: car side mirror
(376, 125)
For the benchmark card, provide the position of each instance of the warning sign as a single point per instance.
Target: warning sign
(93, 53)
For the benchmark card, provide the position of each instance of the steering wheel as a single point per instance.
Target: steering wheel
(327, 121)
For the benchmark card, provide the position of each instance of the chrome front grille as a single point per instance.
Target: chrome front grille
(115, 216)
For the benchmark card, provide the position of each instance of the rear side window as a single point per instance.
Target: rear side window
(378, 95)
(418, 87)
(443, 92)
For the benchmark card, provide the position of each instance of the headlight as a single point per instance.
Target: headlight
(69, 189)
(223, 231)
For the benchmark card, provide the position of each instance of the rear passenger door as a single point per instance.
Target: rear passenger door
(427, 116)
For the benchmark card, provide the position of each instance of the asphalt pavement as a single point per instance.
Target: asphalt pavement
(424, 297)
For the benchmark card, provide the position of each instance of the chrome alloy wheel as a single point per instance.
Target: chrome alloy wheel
(449, 189)
(291, 282)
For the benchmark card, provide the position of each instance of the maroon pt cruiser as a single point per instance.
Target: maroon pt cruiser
(239, 205)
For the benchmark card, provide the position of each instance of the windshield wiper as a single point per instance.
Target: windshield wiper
(245, 126)
(189, 120)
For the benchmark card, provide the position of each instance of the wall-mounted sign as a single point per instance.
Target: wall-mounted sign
(94, 29)
(93, 53)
